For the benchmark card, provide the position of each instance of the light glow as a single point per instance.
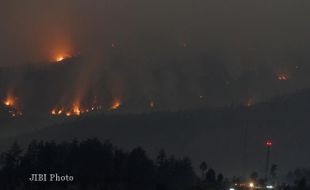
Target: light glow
(152, 104)
(59, 59)
(116, 104)
(251, 184)
(9, 101)
(269, 143)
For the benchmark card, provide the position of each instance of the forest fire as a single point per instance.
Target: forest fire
(77, 110)
(74, 111)
(116, 105)
(282, 77)
(57, 111)
(9, 101)
(59, 59)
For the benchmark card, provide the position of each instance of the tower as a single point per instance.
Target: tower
(268, 145)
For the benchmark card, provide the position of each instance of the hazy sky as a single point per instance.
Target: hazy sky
(246, 31)
(166, 47)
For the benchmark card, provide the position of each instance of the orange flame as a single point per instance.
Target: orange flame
(53, 112)
(76, 110)
(116, 104)
(56, 111)
(59, 59)
(9, 101)
(282, 76)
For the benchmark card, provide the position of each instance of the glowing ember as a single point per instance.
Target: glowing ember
(9, 101)
(250, 102)
(59, 59)
(15, 113)
(116, 105)
(53, 112)
(282, 77)
(76, 110)
(56, 111)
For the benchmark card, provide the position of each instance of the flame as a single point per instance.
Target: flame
(60, 58)
(116, 104)
(77, 111)
(9, 101)
(53, 112)
(14, 110)
(56, 111)
(282, 76)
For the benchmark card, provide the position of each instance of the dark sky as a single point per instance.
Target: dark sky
(247, 32)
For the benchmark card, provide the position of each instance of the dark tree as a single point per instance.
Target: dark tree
(203, 167)
(254, 176)
(211, 176)
(96, 165)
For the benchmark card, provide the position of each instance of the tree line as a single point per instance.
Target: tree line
(101, 165)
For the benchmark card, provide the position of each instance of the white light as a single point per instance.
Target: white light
(251, 184)
(231, 189)
(269, 187)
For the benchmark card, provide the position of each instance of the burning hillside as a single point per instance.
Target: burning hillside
(80, 85)
(75, 110)
(12, 105)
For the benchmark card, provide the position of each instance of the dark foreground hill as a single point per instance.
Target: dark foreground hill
(228, 139)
